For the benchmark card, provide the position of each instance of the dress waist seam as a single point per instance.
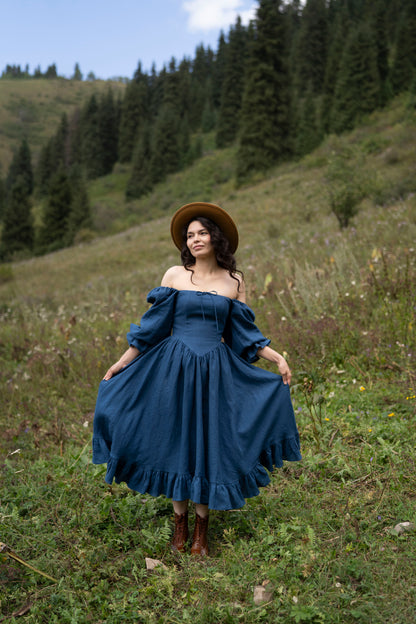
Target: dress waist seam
(196, 353)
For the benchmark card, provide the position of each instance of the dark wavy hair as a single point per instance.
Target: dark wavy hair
(223, 255)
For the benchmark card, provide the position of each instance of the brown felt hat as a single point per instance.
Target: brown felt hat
(187, 213)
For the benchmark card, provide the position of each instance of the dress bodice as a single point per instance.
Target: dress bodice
(200, 318)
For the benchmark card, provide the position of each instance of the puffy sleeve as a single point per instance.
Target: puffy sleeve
(156, 323)
(241, 334)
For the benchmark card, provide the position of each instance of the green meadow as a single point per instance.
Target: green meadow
(322, 540)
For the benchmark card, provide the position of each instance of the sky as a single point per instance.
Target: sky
(110, 37)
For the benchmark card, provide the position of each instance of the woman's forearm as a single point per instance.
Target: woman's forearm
(273, 356)
(127, 357)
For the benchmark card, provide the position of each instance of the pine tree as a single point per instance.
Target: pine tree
(310, 53)
(166, 155)
(184, 87)
(51, 72)
(209, 117)
(140, 181)
(17, 233)
(134, 112)
(21, 166)
(54, 154)
(378, 22)
(308, 134)
(77, 73)
(201, 85)
(338, 33)
(59, 145)
(265, 119)
(219, 71)
(44, 168)
(108, 132)
(53, 234)
(156, 90)
(91, 151)
(233, 83)
(171, 86)
(74, 140)
(357, 90)
(80, 211)
(403, 71)
(184, 142)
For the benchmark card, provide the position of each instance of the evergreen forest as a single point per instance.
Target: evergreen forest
(272, 90)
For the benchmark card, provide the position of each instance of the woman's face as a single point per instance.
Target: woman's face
(199, 240)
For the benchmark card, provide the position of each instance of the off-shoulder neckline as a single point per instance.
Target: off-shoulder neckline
(205, 292)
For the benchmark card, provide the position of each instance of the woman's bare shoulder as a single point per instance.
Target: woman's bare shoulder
(241, 290)
(171, 276)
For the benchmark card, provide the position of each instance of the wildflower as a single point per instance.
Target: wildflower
(390, 415)
(327, 419)
(362, 388)
(369, 431)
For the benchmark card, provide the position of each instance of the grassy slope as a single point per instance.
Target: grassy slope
(33, 108)
(342, 305)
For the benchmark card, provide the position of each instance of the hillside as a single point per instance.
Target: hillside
(321, 539)
(33, 108)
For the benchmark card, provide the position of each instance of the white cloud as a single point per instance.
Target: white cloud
(214, 14)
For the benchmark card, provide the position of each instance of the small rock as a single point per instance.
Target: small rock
(151, 564)
(403, 527)
(261, 594)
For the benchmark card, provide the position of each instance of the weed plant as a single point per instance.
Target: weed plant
(321, 536)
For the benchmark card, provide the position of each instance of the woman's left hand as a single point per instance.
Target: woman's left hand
(272, 356)
(284, 370)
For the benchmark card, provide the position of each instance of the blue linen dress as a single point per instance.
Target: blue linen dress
(191, 417)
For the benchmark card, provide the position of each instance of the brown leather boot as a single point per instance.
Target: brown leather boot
(200, 537)
(180, 537)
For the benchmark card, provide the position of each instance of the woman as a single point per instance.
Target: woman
(183, 412)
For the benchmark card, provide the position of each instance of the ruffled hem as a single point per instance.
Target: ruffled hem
(219, 496)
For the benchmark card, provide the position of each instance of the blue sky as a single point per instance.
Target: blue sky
(109, 37)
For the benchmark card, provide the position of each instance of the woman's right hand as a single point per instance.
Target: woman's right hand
(113, 370)
(125, 359)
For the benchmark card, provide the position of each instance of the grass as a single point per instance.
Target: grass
(321, 537)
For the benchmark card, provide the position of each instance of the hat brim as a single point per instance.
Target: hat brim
(203, 209)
